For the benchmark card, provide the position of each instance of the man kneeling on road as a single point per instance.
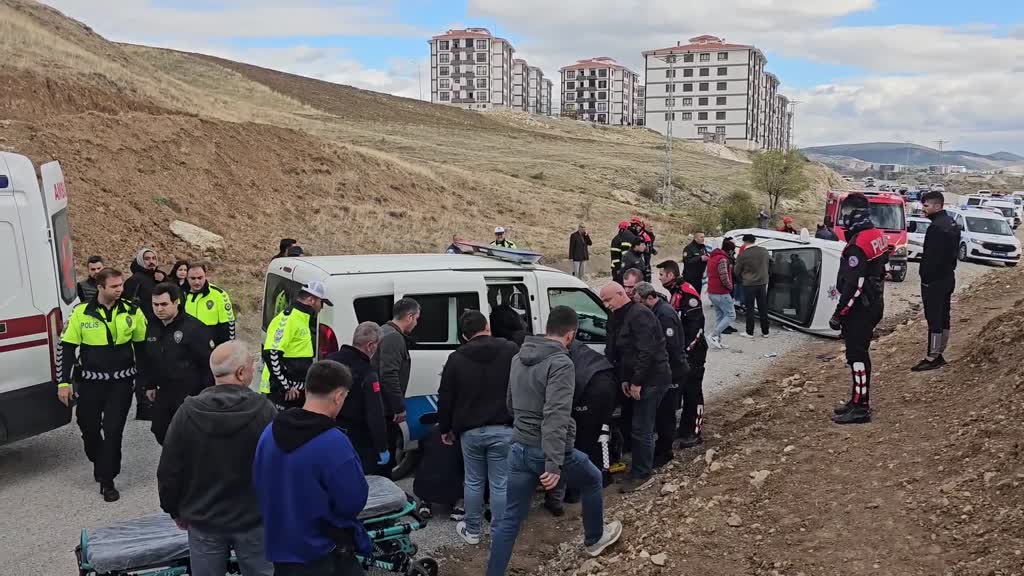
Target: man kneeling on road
(541, 386)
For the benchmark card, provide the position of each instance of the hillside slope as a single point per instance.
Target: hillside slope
(914, 155)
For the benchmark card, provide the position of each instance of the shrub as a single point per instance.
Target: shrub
(738, 211)
(649, 191)
(704, 219)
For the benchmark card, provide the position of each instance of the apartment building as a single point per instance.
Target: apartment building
(545, 96)
(520, 84)
(471, 69)
(710, 89)
(534, 90)
(641, 105)
(600, 90)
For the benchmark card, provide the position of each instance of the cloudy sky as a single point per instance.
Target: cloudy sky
(865, 70)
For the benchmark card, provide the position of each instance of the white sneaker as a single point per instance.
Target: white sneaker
(715, 341)
(745, 335)
(471, 539)
(764, 336)
(611, 535)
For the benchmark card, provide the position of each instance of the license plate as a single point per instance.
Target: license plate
(1000, 254)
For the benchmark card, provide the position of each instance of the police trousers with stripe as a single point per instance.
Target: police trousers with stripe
(102, 411)
(858, 330)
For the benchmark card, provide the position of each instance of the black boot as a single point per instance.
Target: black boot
(843, 408)
(857, 414)
(554, 507)
(690, 441)
(926, 365)
(110, 494)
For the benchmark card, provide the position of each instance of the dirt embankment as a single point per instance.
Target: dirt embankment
(933, 486)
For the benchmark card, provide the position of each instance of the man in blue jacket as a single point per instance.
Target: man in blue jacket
(310, 483)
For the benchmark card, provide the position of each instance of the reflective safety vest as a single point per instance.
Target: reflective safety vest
(212, 306)
(103, 339)
(288, 349)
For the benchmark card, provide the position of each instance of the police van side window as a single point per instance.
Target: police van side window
(593, 317)
(279, 293)
(438, 328)
(793, 284)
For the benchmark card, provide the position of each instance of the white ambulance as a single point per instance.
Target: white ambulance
(37, 293)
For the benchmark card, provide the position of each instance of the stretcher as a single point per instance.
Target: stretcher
(152, 545)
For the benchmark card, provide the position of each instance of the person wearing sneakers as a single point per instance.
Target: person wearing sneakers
(938, 278)
(752, 267)
(540, 395)
(861, 285)
(720, 287)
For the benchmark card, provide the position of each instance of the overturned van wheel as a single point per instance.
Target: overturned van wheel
(424, 567)
(405, 460)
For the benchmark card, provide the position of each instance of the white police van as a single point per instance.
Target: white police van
(37, 293)
(364, 288)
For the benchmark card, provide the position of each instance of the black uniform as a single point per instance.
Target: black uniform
(634, 259)
(861, 285)
(621, 243)
(938, 278)
(694, 265)
(685, 300)
(139, 290)
(362, 415)
(675, 345)
(86, 290)
(176, 363)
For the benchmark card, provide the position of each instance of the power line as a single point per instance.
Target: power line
(670, 59)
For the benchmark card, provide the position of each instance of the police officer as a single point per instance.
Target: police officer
(665, 421)
(106, 333)
(289, 350)
(175, 363)
(501, 241)
(861, 283)
(210, 304)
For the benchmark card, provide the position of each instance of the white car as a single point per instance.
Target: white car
(985, 236)
(916, 228)
(1000, 205)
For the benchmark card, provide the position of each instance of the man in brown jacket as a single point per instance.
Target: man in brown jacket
(752, 270)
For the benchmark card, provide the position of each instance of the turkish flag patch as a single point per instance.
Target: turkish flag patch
(376, 387)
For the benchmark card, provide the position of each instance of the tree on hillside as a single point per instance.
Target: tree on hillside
(738, 211)
(779, 175)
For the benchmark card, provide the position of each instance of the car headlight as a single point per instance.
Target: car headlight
(900, 251)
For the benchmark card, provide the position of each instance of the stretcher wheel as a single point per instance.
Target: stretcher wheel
(424, 567)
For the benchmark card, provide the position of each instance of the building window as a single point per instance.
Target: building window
(444, 83)
(702, 115)
(603, 73)
(704, 86)
(455, 43)
(687, 115)
(602, 95)
(687, 101)
(481, 82)
(705, 72)
(723, 56)
(602, 84)
(702, 101)
(481, 44)
(570, 85)
(444, 58)
(719, 115)
(670, 102)
(723, 71)
(722, 86)
(445, 96)
(688, 73)
(481, 70)
(602, 106)
(670, 116)
(719, 129)
(443, 45)
(443, 70)
(720, 101)
(481, 96)
(672, 87)
(705, 57)
(687, 57)
(570, 96)
(481, 57)
(702, 130)
(687, 87)
(570, 105)
(570, 73)
(670, 73)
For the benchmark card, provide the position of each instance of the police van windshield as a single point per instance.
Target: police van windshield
(884, 216)
(994, 226)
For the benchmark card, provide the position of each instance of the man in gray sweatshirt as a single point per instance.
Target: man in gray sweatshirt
(540, 393)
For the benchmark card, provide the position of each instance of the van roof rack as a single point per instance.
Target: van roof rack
(523, 257)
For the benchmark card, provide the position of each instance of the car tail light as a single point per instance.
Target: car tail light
(54, 328)
(328, 341)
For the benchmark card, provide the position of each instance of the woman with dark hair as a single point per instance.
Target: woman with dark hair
(179, 275)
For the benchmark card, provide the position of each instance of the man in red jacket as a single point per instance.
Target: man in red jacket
(720, 287)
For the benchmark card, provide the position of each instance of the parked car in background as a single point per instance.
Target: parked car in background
(985, 236)
(1000, 205)
(917, 226)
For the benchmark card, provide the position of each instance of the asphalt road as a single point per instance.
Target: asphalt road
(47, 494)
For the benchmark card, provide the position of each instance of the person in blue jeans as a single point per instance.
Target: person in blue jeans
(540, 394)
(471, 407)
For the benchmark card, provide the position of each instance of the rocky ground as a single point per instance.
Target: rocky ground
(932, 486)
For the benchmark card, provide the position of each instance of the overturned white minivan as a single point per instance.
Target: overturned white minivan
(802, 291)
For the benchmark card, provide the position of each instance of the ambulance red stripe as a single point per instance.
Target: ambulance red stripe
(19, 327)
(23, 345)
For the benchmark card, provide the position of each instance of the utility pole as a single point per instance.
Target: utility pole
(941, 143)
(670, 59)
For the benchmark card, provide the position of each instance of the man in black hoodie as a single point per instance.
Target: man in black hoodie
(139, 289)
(362, 416)
(205, 472)
(471, 407)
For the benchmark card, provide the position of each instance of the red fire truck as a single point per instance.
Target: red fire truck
(888, 212)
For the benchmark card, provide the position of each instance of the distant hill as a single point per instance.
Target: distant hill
(913, 154)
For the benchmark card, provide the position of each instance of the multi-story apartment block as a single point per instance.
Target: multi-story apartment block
(710, 89)
(471, 69)
(520, 84)
(545, 96)
(600, 90)
(641, 105)
(534, 90)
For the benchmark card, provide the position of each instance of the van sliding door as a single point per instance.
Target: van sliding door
(795, 276)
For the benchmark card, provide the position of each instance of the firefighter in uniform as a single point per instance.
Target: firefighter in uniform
(685, 300)
(290, 347)
(210, 305)
(621, 243)
(861, 283)
(175, 363)
(97, 354)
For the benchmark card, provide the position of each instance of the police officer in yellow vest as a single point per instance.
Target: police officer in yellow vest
(106, 333)
(290, 347)
(209, 304)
